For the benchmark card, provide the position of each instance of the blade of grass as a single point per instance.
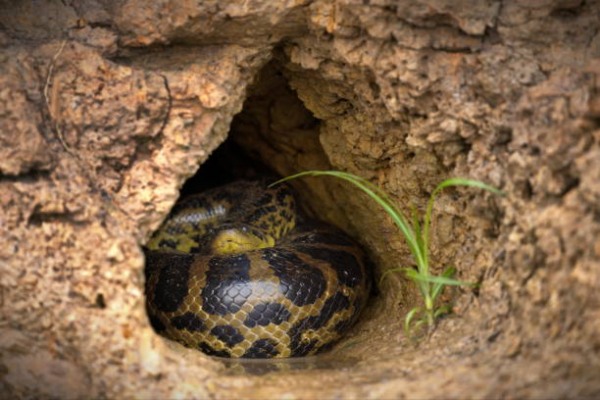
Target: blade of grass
(373, 192)
(437, 287)
(468, 182)
(417, 229)
(445, 309)
(423, 267)
(416, 276)
(408, 319)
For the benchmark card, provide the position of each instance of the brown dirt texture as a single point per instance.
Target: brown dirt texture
(107, 107)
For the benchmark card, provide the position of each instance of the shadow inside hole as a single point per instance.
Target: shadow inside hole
(273, 128)
(228, 163)
(268, 121)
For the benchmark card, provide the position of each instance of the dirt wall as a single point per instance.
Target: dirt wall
(108, 107)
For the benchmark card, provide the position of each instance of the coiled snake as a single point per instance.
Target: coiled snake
(234, 272)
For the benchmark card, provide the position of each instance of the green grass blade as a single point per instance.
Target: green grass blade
(438, 287)
(420, 322)
(445, 309)
(423, 284)
(380, 197)
(468, 182)
(416, 226)
(416, 276)
(408, 319)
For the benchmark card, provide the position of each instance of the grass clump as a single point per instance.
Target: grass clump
(416, 234)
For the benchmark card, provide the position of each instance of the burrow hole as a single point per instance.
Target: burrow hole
(276, 135)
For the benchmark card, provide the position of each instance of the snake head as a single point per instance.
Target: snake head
(238, 239)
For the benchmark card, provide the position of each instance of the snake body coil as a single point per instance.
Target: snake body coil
(233, 274)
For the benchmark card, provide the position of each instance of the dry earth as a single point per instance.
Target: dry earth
(107, 107)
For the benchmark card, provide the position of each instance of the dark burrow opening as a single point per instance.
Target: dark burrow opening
(274, 136)
(272, 130)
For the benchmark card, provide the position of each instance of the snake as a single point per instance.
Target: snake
(238, 271)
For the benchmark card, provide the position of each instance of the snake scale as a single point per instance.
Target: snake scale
(236, 272)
